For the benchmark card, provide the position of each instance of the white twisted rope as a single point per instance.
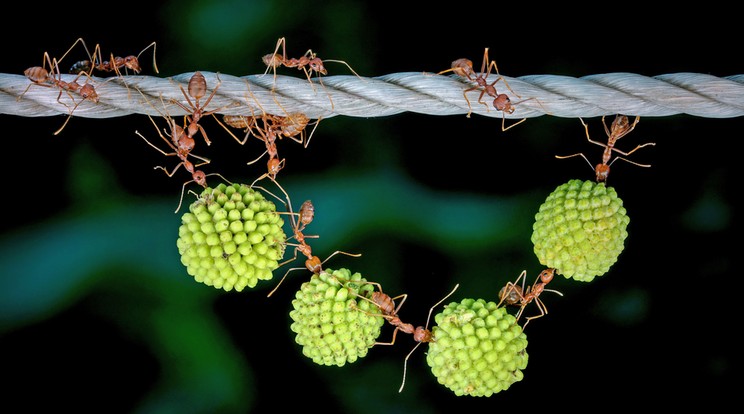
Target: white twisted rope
(427, 93)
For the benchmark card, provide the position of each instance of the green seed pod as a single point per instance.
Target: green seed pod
(478, 349)
(213, 242)
(580, 229)
(333, 325)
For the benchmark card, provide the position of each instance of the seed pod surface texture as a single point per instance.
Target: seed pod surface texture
(333, 324)
(478, 348)
(580, 229)
(231, 237)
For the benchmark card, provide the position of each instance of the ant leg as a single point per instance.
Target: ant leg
(307, 142)
(405, 361)
(284, 277)
(154, 63)
(405, 367)
(470, 107)
(586, 129)
(337, 252)
(512, 287)
(634, 150)
(492, 64)
(395, 333)
(273, 61)
(503, 120)
(440, 302)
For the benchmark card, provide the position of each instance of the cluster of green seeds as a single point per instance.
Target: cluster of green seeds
(231, 237)
(478, 349)
(580, 229)
(333, 324)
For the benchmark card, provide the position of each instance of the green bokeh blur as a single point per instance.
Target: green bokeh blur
(98, 314)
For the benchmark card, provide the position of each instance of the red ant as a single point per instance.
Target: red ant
(182, 145)
(461, 67)
(39, 75)
(464, 67)
(308, 63)
(197, 90)
(620, 127)
(268, 128)
(299, 221)
(268, 135)
(246, 123)
(513, 294)
(291, 126)
(95, 61)
(386, 305)
(294, 126)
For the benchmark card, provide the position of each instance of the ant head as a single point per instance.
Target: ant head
(313, 264)
(275, 165)
(131, 62)
(602, 171)
(421, 334)
(200, 178)
(547, 275)
(317, 65)
(503, 103)
(87, 91)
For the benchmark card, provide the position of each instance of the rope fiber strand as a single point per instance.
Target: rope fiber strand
(694, 94)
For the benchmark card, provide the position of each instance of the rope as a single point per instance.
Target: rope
(694, 94)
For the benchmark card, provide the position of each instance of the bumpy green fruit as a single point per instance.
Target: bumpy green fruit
(478, 349)
(333, 325)
(231, 237)
(580, 229)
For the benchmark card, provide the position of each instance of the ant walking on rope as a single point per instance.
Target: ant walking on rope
(197, 90)
(309, 63)
(501, 102)
(95, 61)
(39, 75)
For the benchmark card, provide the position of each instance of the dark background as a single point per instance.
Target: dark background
(99, 314)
